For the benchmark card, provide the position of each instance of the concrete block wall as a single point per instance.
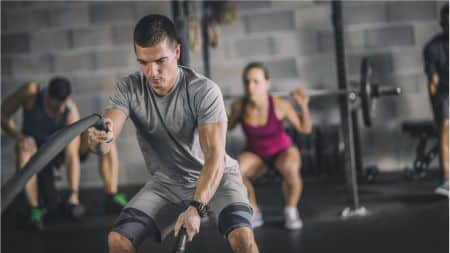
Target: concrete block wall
(90, 43)
(295, 39)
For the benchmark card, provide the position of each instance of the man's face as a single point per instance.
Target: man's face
(56, 106)
(159, 65)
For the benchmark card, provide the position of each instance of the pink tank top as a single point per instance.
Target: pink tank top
(267, 140)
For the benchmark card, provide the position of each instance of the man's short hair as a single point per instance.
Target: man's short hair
(152, 29)
(59, 88)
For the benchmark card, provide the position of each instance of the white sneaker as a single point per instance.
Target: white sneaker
(292, 218)
(442, 189)
(257, 219)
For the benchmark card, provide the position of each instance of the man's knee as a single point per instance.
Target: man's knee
(242, 240)
(119, 243)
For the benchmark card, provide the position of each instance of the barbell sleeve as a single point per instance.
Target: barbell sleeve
(311, 93)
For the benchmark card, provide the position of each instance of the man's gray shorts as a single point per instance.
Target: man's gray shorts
(154, 210)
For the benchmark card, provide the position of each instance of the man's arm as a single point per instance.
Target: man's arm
(433, 84)
(100, 141)
(12, 103)
(72, 158)
(429, 57)
(212, 142)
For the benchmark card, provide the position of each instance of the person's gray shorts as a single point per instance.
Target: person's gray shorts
(157, 206)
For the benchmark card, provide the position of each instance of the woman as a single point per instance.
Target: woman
(261, 116)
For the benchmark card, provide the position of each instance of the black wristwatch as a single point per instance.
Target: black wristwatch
(202, 209)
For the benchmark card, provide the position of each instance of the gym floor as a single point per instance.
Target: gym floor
(405, 217)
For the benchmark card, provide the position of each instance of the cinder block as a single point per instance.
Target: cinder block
(252, 5)
(88, 103)
(73, 15)
(235, 29)
(16, 20)
(93, 83)
(15, 43)
(408, 61)
(288, 44)
(144, 8)
(40, 19)
(319, 71)
(424, 32)
(88, 37)
(221, 53)
(293, 4)
(355, 40)
(390, 36)
(123, 34)
(48, 40)
(325, 41)
(31, 65)
(364, 12)
(314, 18)
(269, 22)
(307, 42)
(227, 72)
(111, 13)
(255, 47)
(73, 62)
(113, 58)
(382, 63)
(412, 10)
(286, 68)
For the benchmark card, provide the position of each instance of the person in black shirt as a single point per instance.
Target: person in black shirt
(436, 69)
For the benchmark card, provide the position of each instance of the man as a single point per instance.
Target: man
(181, 125)
(44, 112)
(436, 69)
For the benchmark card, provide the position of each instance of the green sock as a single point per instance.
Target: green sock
(36, 214)
(120, 199)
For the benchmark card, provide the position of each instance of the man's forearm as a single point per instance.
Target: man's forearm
(305, 118)
(10, 127)
(210, 177)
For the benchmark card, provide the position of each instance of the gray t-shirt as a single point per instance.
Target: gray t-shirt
(194, 100)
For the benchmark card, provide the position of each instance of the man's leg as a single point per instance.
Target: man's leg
(131, 228)
(235, 224)
(31, 188)
(443, 147)
(109, 172)
(242, 240)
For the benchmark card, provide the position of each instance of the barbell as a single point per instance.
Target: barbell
(367, 92)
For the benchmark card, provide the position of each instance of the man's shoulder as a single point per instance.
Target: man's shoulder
(434, 42)
(130, 79)
(197, 82)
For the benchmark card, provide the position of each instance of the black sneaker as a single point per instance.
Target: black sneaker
(74, 211)
(37, 218)
(114, 203)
